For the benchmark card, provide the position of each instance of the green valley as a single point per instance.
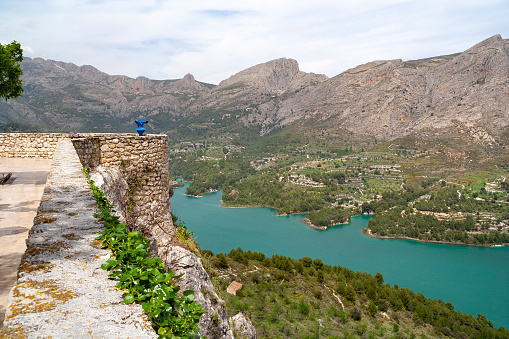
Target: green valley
(415, 193)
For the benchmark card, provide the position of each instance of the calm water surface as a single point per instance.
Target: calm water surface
(475, 280)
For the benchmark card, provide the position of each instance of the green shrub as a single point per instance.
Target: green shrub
(307, 261)
(356, 314)
(303, 307)
(372, 309)
(221, 261)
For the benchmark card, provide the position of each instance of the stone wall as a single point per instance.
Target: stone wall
(61, 290)
(88, 151)
(36, 145)
(133, 171)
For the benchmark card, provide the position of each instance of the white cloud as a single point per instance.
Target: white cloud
(213, 40)
(28, 51)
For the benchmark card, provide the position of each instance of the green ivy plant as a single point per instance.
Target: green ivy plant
(142, 278)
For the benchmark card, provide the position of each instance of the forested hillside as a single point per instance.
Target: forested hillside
(289, 298)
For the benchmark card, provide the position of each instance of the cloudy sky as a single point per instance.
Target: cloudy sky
(165, 39)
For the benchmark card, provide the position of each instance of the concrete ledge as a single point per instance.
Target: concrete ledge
(61, 290)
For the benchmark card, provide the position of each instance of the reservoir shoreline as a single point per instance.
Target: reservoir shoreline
(368, 232)
(473, 279)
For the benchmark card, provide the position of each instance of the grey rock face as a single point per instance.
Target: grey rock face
(242, 327)
(272, 76)
(390, 99)
(115, 189)
(214, 323)
(257, 85)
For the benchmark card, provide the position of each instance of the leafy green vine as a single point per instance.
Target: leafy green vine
(142, 278)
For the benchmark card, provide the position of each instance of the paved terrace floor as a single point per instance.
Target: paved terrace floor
(19, 199)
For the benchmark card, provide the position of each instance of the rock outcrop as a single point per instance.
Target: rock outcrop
(242, 327)
(214, 323)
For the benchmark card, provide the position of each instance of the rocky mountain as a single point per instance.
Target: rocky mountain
(391, 99)
(62, 96)
(258, 85)
(466, 92)
(464, 95)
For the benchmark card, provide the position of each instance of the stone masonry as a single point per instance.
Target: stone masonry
(133, 172)
(35, 145)
(61, 290)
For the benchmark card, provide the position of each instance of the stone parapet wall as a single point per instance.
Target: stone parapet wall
(88, 151)
(111, 150)
(135, 168)
(34, 145)
(133, 172)
(61, 290)
(94, 149)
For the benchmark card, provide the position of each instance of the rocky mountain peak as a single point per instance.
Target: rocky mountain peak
(494, 40)
(259, 85)
(188, 78)
(88, 72)
(188, 85)
(269, 76)
(143, 85)
(492, 45)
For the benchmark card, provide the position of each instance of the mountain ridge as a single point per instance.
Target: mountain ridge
(380, 100)
(406, 94)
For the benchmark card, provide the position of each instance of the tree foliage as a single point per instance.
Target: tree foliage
(10, 57)
(398, 215)
(286, 291)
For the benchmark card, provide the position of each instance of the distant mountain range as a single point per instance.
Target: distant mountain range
(463, 96)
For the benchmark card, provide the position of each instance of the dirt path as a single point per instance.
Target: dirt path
(335, 296)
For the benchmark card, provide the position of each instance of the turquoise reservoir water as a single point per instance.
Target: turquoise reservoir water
(475, 280)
